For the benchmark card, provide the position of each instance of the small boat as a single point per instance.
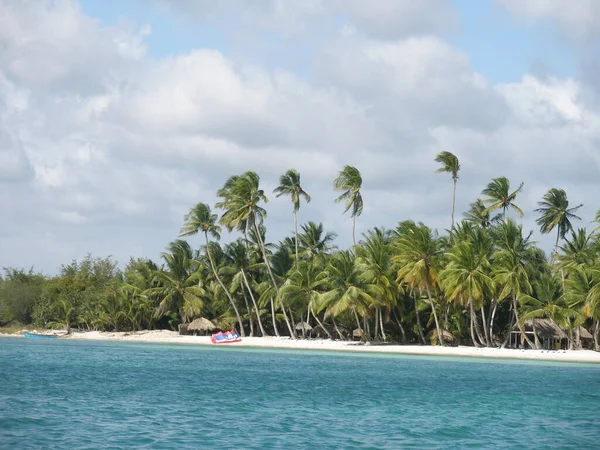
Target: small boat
(229, 337)
(39, 336)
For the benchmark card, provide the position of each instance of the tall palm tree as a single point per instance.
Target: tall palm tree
(499, 196)
(555, 213)
(349, 183)
(451, 165)
(511, 260)
(417, 261)
(238, 255)
(241, 196)
(467, 278)
(289, 184)
(201, 218)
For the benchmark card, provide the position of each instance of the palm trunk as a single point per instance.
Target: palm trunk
(515, 309)
(453, 204)
(511, 324)
(472, 322)
(296, 233)
(381, 326)
(270, 272)
(419, 326)
(214, 269)
(485, 327)
(399, 325)
(493, 314)
(249, 311)
(320, 324)
(292, 319)
(535, 336)
(376, 324)
(477, 327)
(357, 323)
(596, 332)
(274, 318)
(577, 339)
(353, 229)
(337, 330)
(307, 323)
(260, 324)
(435, 317)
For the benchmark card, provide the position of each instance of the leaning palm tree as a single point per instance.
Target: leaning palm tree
(555, 213)
(289, 184)
(201, 218)
(241, 196)
(349, 182)
(450, 165)
(499, 196)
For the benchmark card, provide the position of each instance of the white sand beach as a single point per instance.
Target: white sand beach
(172, 337)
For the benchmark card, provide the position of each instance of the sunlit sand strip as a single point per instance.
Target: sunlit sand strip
(171, 337)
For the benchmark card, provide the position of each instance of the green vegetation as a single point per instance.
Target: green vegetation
(479, 285)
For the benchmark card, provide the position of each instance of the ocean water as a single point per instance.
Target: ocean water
(76, 394)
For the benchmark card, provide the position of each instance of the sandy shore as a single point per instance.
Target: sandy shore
(172, 337)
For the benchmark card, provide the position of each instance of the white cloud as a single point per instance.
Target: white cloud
(577, 18)
(109, 147)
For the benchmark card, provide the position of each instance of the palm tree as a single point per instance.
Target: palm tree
(417, 261)
(375, 265)
(241, 196)
(555, 213)
(201, 218)
(467, 278)
(512, 259)
(346, 289)
(499, 196)
(177, 288)
(450, 165)
(314, 241)
(479, 214)
(289, 184)
(349, 182)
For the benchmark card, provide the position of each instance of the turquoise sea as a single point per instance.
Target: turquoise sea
(75, 394)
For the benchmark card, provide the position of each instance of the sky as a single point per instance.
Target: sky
(117, 116)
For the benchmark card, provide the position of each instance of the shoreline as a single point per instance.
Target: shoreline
(172, 337)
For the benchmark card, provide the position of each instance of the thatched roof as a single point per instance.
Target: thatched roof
(545, 328)
(585, 334)
(303, 326)
(201, 324)
(446, 335)
(358, 332)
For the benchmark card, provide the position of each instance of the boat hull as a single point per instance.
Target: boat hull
(40, 336)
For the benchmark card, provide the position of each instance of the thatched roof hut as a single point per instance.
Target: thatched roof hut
(200, 325)
(303, 326)
(585, 334)
(545, 329)
(448, 338)
(358, 332)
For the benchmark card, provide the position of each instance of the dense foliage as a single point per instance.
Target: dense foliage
(473, 286)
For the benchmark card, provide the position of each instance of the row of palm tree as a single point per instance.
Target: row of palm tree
(478, 284)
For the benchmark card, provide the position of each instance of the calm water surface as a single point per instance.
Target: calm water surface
(75, 394)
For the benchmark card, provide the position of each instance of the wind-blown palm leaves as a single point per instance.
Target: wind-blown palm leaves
(314, 241)
(289, 184)
(451, 165)
(201, 218)
(499, 196)
(349, 182)
(417, 258)
(178, 289)
(555, 213)
(241, 196)
(479, 214)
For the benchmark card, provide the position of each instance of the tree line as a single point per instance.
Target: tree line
(475, 285)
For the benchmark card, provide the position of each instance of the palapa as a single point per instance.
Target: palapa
(201, 324)
(545, 328)
(303, 326)
(585, 334)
